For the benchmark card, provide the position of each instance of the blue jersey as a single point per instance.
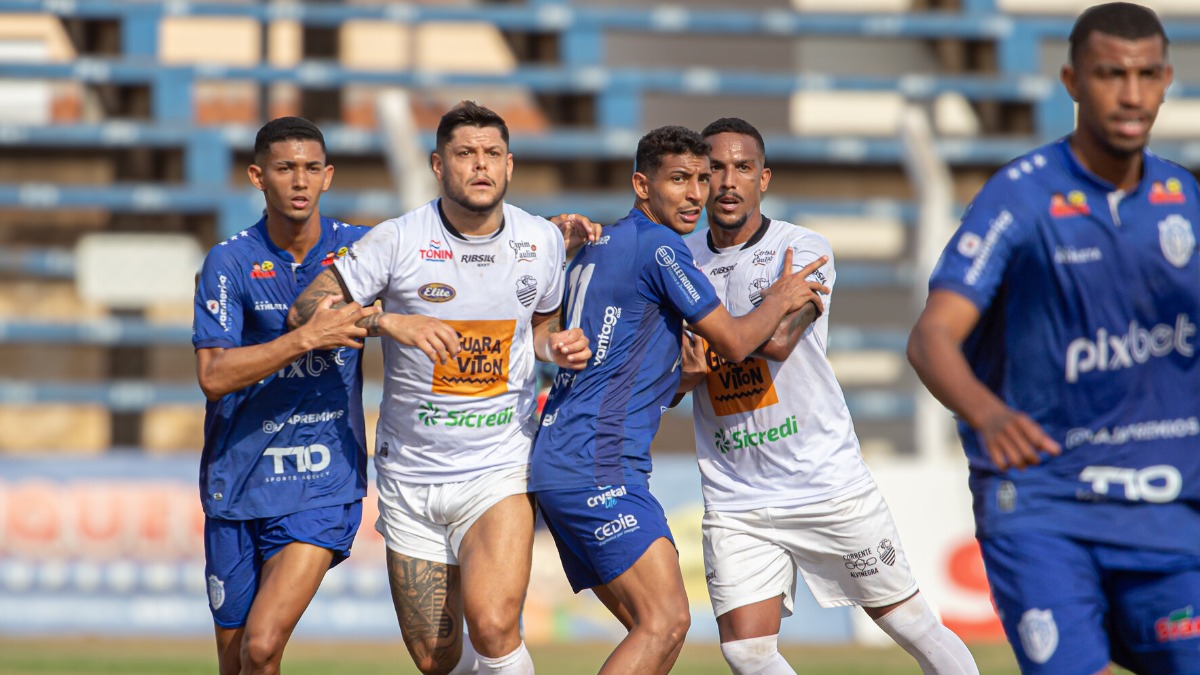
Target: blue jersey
(294, 440)
(1089, 300)
(630, 293)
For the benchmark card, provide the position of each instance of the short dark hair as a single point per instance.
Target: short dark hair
(468, 114)
(669, 140)
(285, 129)
(1123, 20)
(736, 125)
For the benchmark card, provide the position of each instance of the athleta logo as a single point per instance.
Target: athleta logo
(608, 498)
(435, 252)
(436, 293)
(308, 458)
(727, 441)
(604, 340)
(1116, 352)
(615, 528)
(1155, 484)
(431, 415)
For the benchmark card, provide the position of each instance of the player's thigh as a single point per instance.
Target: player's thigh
(653, 585)
(847, 549)
(1050, 596)
(490, 524)
(496, 554)
(1156, 627)
(751, 577)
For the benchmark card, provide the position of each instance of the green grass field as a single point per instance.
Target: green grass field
(184, 657)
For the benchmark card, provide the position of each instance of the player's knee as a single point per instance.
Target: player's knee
(262, 653)
(436, 660)
(494, 631)
(669, 626)
(752, 655)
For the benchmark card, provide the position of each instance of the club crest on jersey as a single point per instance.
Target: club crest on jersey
(1169, 192)
(1177, 240)
(436, 292)
(526, 289)
(216, 592)
(756, 288)
(1039, 634)
(1074, 203)
(523, 251)
(887, 552)
(436, 252)
(262, 270)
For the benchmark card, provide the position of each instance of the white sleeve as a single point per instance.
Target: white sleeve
(367, 268)
(807, 247)
(551, 297)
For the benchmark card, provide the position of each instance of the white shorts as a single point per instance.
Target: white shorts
(847, 548)
(429, 521)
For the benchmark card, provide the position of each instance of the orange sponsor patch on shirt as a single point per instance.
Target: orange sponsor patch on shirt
(481, 368)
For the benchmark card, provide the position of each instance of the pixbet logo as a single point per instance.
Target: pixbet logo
(1136, 346)
(309, 458)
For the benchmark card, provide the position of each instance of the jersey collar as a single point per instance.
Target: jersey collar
(317, 252)
(459, 235)
(1080, 171)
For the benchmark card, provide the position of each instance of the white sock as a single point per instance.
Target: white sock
(516, 662)
(756, 656)
(467, 663)
(936, 648)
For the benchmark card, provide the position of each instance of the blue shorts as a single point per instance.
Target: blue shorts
(601, 532)
(235, 550)
(1071, 606)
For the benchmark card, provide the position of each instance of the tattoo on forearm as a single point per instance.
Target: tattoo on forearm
(371, 323)
(421, 592)
(305, 306)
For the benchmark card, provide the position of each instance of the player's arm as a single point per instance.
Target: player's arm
(221, 371)
(693, 367)
(737, 338)
(1012, 438)
(788, 334)
(564, 348)
(576, 230)
(436, 338)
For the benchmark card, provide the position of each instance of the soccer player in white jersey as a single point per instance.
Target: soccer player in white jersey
(471, 288)
(786, 491)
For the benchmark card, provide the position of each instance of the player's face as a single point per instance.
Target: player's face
(292, 175)
(1119, 85)
(474, 168)
(674, 194)
(738, 180)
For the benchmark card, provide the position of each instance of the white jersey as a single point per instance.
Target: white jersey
(475, 414)
(771, 433)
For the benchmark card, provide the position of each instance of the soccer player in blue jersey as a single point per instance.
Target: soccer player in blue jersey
(631, 291)
(1061, 330)
(283, 471)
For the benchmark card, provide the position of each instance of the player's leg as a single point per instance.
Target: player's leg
(289, 580)
(495, 557)
(912, 624)
(423, 575)
(652, 592)
(1154, 623)
(750, 579)
(231, 573)
(297, 550)
(1050, 595)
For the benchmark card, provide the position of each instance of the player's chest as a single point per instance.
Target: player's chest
(452, 279)
(273, 285)
(740, 279)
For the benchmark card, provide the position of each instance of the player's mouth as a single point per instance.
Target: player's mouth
(481, 182)
(728, 202)
(690, 216)
(1131, 127)
(299, 202)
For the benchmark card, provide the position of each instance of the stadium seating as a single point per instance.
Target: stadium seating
(126, 116)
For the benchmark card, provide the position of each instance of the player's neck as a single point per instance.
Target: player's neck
(297, 238)
(1123, 171)
(473, 223)
(724, 237)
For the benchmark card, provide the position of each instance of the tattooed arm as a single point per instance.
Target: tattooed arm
(790, 330)
(563, 348)
(434, 337)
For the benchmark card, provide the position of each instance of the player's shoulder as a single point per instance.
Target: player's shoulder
(243, 245)
(1038, 171)
(526, 224)
(346, 233)
(1170, 182)
(782, 232)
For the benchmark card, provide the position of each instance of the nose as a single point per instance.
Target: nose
(697, 191)
(1131, 94)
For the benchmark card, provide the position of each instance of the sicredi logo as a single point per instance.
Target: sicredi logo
(436, 292)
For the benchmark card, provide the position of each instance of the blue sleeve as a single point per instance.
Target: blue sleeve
(217, 314)
(974, 261)
(671, 279)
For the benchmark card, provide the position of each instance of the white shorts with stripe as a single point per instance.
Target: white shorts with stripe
(847, 549)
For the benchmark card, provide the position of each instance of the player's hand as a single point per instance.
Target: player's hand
(694, 366)
(435, 337)
(570, 349)
(576, 230)
(795, 286)
(334, 324)
(1013, 440)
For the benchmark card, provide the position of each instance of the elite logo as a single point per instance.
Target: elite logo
(436, 292)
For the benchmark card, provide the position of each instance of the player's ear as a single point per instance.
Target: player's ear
(328, 177)
(435, 163)
(255, 173)
(764, 180)
(1067, 76)
(641, 185)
